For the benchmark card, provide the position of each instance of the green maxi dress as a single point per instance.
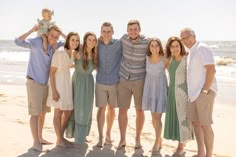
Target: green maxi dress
(83, 96)
(177, 125)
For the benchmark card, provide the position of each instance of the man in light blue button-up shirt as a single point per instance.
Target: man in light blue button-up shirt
(37, 79)
(109, 55)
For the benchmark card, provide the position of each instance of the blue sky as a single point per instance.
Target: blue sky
(211, 19)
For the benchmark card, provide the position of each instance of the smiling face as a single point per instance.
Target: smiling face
(133, 31)
(53, 36)
(47, 16)
(107, 32)
(175, 48)
(74, 42)
(91, 42)
(188, 39)
(154, 48)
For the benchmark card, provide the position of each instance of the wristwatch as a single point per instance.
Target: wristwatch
(205, 91)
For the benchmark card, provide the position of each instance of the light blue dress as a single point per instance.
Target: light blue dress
(155, 87)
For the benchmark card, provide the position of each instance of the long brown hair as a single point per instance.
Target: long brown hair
(85, 53)
(67, 44)
(161, 52)
(170, 41)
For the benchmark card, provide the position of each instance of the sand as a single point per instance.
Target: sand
(16, 137)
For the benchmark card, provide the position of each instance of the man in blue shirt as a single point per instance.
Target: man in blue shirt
(109, 55)
(37, 78)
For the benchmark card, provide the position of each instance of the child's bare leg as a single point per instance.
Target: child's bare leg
(45, 43)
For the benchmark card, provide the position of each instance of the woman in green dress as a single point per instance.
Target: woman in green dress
(83, 88)
(177, 125)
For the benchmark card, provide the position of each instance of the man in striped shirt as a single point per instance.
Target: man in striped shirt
(132, 75)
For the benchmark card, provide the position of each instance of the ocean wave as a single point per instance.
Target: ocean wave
(14, 56)
(217, 46)
(223, 61)
(221, 44)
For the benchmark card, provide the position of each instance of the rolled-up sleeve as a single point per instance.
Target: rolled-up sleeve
(23, 43)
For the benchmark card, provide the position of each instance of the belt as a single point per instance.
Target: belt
(28, 77)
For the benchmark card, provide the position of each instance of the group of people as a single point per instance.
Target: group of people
(132, 66)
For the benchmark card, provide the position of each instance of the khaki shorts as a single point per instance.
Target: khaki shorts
(37, 97)
(201, 109)
(106, 94)
(128, 88)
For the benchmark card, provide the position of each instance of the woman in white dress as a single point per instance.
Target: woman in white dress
(60, 89)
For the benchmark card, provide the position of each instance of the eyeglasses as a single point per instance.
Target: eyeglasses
(186, 38)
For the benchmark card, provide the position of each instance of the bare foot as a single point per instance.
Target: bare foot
(62, 143)
(155, 151)
(99, 144)
(100, 141)
(108, 141)
(155, 148)
(197, 155)
(121, 145)
(138, 146)
(68, 142)
(45, 142)
(137, 143)
(179, 153)
(37, 147)
(87, 140)
(160, 143)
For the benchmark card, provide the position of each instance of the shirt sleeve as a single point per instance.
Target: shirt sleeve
(24, 43)
(55, 59)
(206, 56)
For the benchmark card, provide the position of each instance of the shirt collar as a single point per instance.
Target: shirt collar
(137, 41)
(194, 46)
(111, 42)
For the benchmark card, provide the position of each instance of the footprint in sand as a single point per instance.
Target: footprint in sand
(20, 121)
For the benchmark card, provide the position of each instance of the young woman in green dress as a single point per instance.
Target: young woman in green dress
(83, 88)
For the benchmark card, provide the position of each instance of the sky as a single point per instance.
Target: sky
(211, 19)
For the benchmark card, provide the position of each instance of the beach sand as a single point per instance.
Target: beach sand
(16, 137)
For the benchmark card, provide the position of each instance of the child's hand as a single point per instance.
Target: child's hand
(35, 28)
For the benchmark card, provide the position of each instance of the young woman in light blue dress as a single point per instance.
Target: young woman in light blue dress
(155, 87)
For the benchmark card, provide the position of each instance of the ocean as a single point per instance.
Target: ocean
(14, 59)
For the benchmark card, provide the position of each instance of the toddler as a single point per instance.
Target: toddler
(44, 24)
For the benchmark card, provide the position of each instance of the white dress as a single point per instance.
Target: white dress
(62, 62)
